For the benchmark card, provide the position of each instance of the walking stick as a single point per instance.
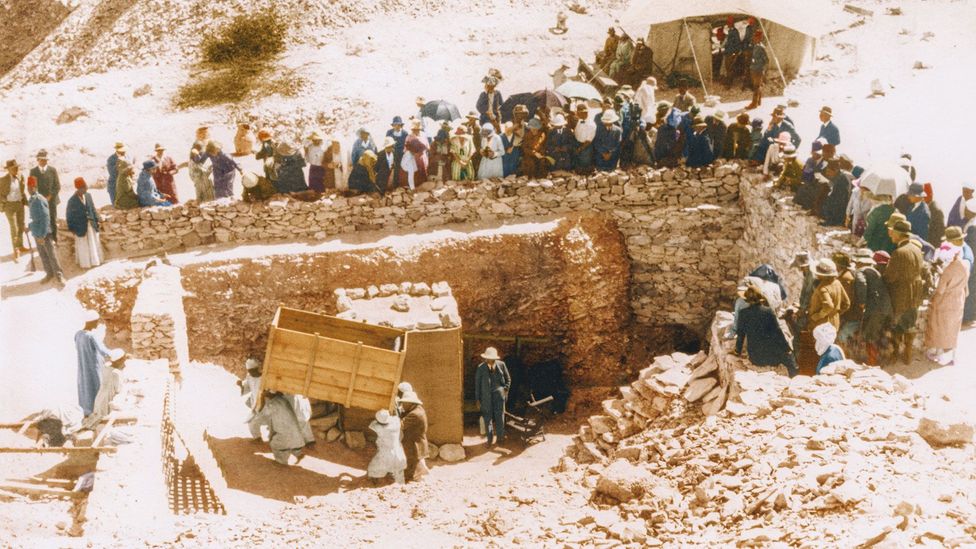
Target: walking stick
(33, 268)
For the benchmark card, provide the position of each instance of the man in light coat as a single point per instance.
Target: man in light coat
(491, 384)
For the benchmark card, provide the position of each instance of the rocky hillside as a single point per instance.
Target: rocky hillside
(25, 25)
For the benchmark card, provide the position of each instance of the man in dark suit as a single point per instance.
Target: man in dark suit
(48, 186)
(385, 165)
(828, 130)
(489, 104)
(491, 385)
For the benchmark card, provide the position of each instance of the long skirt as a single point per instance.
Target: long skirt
(202, 184)
(316, 178)
(88, 249)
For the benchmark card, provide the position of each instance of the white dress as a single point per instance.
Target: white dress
(492, 167)
(88, 249)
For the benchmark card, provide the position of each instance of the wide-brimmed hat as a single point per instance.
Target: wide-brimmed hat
(817, 146)
(719, 114)
(405, 387)
(12, 163)
(149, 164)
(609, 117)
(784, 138)
(314, 136)
(864, 256)
(916, 190)
(789, 151)
(827, 110)
(559, 121)
(472, 115)
(90, 315)
(460, 130)
(534, 124)
(825, 268)
(382, 417)
(698, 121)
(410, 398)
(902, 227)
(490, 353)
(520, 108)
(953, 235)
(801, 259)
(249, 180)
(895, 217)
(397, 121)
(389, 142)
(264, 134)
(119, 146)
(42, 154)
(285, 149)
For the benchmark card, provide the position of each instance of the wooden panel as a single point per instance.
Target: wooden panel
(332, 359)
(433, 366)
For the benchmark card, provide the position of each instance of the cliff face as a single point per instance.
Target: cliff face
(26, 23)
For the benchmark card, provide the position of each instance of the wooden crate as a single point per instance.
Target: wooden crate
(350, 363)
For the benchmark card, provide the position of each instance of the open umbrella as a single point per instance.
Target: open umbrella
(440, 110)
(548, 98)
(517, 99)
(579, 90)
(888, 179)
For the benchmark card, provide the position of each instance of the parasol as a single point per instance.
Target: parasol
(887, 179)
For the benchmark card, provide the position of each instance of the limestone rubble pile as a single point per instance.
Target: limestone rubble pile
(851, 457)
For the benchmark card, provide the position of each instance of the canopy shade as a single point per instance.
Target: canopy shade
(811, 17)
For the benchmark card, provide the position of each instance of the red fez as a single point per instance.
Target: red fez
(31, 182)
(882, 257)
(80, 182)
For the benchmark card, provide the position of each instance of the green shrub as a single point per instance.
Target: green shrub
(249, 37)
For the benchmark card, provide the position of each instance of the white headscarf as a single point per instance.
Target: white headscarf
(825, 335)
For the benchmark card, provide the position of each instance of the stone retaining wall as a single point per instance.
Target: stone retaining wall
(680, 226)
(158, 323)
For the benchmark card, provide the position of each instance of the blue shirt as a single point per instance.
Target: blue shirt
(40, 217)
(833, 354)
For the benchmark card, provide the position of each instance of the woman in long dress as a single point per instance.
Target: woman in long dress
(948, 302)
(125, 192)
(83, 222)
(462, 151)
(492, 153)
(415, 160)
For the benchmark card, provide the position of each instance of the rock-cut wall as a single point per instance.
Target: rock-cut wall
(681, 227)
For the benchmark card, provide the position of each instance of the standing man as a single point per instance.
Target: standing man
(83, 222)
(585, 131)
(904, 279)
(918, 213)
(91, 357)
(413, 425)
(163, 174)
(871, 301)
(757, 69)
(733, 48)
(828, 130)
(48, 186)
(399, 136)
(491, 385)
(40, 227)
(490, 104)
(957, 215)
(13, 198)
(113, 171)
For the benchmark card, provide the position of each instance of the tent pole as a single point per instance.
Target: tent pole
(694, 56)
(776, 59)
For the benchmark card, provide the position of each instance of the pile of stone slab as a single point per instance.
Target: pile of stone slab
(329, 428)
(405, 306)
(854, 457)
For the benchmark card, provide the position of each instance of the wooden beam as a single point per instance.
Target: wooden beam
(355, 370)
(62, 450)
(41, 491)
(104, 431)
(489, 337)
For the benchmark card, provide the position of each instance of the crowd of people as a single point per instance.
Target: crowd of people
(866, 304)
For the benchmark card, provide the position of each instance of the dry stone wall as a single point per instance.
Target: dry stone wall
(158, 322)
(681, 226)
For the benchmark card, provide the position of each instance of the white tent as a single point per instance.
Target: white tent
(791, 27)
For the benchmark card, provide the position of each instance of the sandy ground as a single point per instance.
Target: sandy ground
(369, 76)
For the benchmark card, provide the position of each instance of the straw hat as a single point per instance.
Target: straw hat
(405, 387)
(410, 398)
(801, 260)
(559, 121)
(490, 353)
(119, 146)
(609, 117)
(315, 136)
(382, 417)
(864, 256)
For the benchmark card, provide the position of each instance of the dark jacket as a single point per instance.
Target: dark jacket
(955, 216)
(937, 224)
(5, 188)
(48, 183)
(291, 178)
(903, 275)
(830, 133)
(920, 217)
(413, 425)
(560, 145)
(700, 152)
(482, 106)
(834, 209)
(384, 172)
(486, 381)
(870, 293)
(81, 211)
(762, 335)
(607, 141)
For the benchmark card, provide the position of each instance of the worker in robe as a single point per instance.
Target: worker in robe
(284, 430)
(414, 427)
(390, 458)
(584, 133)
(251, 384)
(491, 385)
(166, 169)
(91, 357)
(303, 413)
(110, 386)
